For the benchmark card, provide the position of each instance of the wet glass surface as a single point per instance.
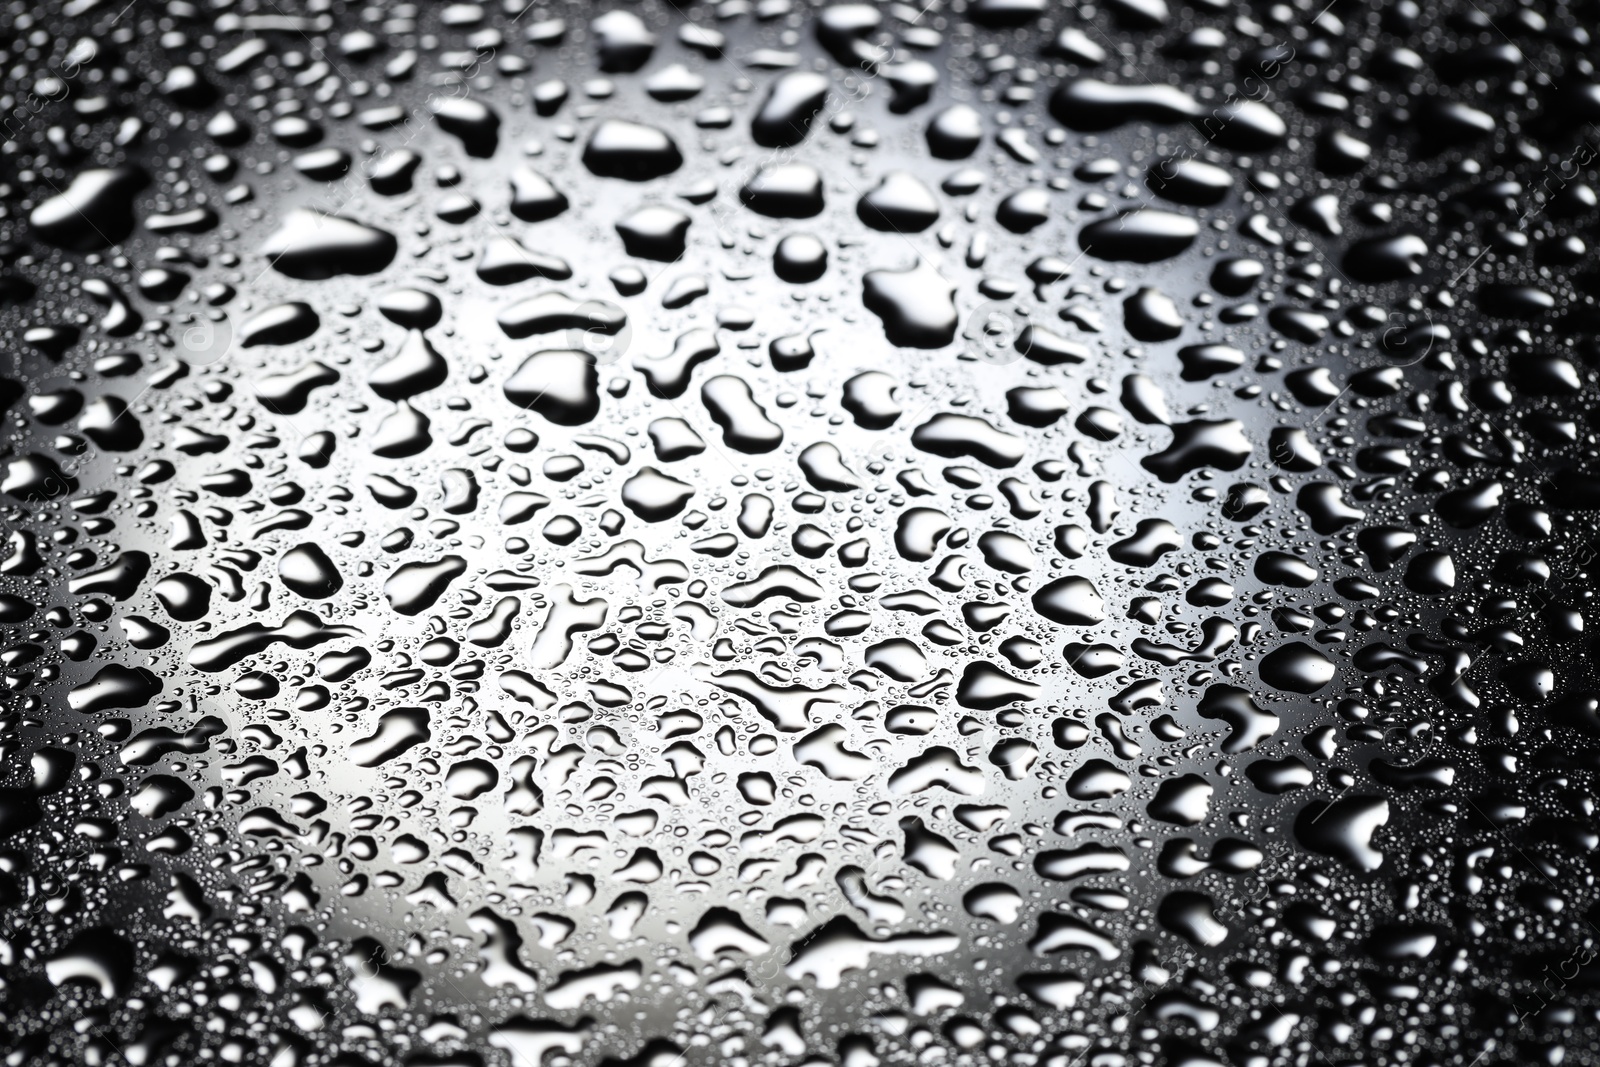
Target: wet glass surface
(761, 533)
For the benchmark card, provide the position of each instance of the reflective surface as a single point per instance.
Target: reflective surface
(755, 533)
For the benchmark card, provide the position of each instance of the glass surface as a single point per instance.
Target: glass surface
(770, 533)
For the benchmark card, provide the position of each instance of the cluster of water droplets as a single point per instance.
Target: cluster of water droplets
(757, 533)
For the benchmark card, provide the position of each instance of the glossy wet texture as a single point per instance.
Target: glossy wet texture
(749, 533)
